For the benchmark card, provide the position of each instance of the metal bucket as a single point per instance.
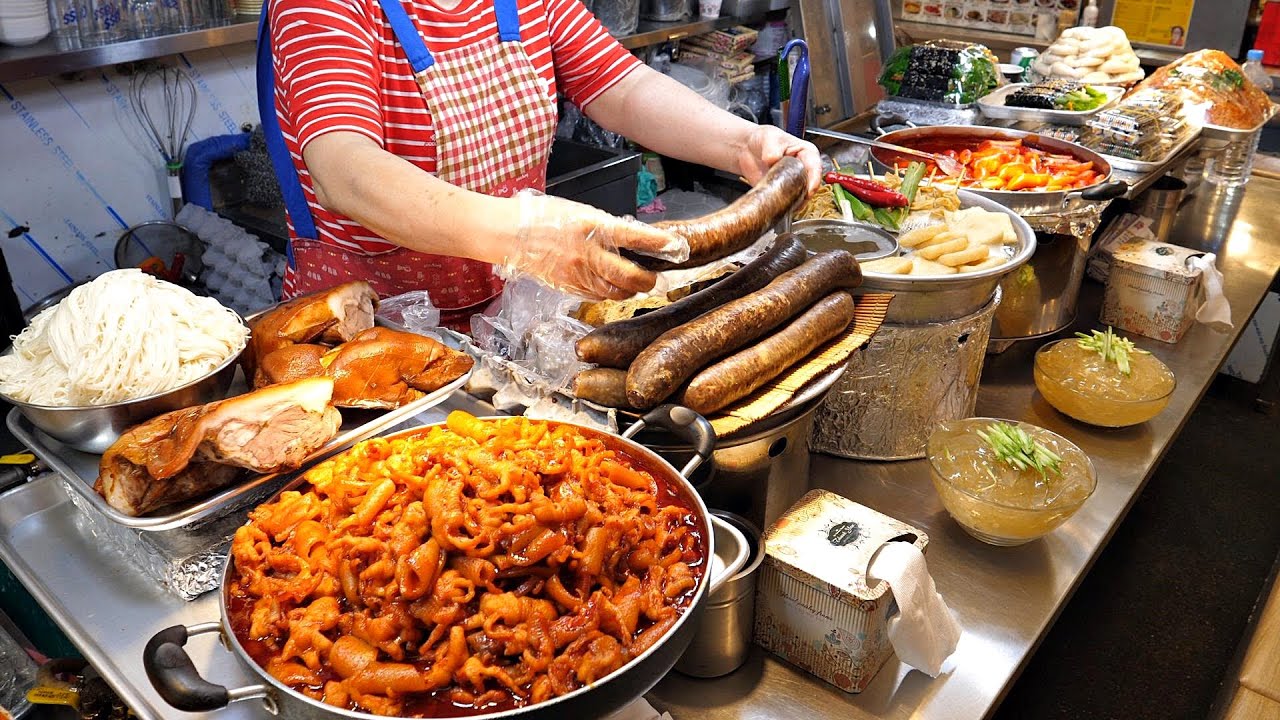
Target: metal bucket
(1040, 297)
(758, 476)
(908, 379)
(722, 637)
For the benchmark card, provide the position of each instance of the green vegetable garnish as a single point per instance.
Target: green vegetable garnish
(1019, 450)
(1086, 98)
(845, 199)
(886, 218)
(1111, 347)
(910, 184)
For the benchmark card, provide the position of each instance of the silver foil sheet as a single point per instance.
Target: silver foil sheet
(908, 379)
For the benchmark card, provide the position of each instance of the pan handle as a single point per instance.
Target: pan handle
(879, 121)
(684, 424)
(175, 677)
(1106, 191)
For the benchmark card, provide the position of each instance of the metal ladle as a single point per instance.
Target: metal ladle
(948, 165)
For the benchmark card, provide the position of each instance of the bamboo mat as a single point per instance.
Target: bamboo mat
(867, 318)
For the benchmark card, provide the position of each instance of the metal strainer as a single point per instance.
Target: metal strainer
(164, 249)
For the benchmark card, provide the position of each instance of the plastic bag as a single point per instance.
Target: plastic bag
(413, 311)
(528, 354)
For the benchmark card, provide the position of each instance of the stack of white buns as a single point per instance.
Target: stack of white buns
(1098, 56)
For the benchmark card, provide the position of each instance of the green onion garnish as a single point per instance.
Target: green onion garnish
(1111, 347)
(1019, 450)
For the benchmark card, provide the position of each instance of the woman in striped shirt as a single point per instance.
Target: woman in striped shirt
(402, 129)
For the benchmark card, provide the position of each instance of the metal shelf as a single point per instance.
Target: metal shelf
(1001, 43)
(44, 58)
(651, 32)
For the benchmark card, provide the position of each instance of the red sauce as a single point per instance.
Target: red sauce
(438, 704)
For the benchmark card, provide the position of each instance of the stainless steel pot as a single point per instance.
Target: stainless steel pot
(764, 469)
(724, 631)
(939, 298)
(177, 680)
(1023, 202)
(1040, 297)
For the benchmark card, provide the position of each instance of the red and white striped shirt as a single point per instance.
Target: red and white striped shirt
(338, 67)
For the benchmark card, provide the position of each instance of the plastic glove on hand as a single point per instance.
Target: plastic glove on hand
(574, 248)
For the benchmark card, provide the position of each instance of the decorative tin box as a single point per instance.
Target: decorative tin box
(1151, 290)
(813, 605)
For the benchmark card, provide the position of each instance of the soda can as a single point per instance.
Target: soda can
(1023, 57)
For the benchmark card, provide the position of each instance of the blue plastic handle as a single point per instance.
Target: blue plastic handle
(798, 110)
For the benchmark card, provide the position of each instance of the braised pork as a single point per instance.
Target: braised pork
(326, 317)
(384, 368)
(191, 452)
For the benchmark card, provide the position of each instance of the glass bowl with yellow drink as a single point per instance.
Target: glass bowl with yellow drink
(1006, 482)
(1103, 379)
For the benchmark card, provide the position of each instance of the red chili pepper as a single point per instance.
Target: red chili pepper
(175, 272)
(873, 193)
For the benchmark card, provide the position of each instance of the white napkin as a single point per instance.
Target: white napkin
(639, 710)
(1215, 308)
(924, 633)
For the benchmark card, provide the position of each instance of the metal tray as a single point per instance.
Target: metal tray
(81, 468)
(992, 105)
(1142, 166)
(1220, 132)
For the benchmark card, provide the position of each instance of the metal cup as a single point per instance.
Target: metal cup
(722, 638)
(1160, 203)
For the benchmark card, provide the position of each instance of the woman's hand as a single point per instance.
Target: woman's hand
(574, 248)
(767, 144)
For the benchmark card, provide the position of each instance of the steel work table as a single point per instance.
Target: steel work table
(1005, 598)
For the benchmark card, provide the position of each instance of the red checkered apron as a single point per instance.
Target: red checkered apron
(494, 125)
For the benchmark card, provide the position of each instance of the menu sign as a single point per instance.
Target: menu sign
(1010, 16)
(1155, 22)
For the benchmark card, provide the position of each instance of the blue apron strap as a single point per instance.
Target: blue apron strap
(406, 32)
(508, 12)
(295, 202)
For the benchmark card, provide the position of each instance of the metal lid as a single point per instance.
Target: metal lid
(1158, 260)
(830, 539)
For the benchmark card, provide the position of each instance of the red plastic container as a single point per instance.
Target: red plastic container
(1269, 34)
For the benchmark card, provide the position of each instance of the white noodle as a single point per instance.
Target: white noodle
(124, 336)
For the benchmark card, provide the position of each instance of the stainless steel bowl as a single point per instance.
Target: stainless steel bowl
(866, 242)
(939, 298)
(93, 428)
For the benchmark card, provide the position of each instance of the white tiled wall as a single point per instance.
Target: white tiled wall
(77, 169)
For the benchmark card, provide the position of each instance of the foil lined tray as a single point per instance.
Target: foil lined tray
(81, 468)
(188, 561)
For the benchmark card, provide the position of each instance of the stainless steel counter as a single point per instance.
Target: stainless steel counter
(1005, 598)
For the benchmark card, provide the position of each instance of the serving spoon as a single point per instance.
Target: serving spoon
(948, 165)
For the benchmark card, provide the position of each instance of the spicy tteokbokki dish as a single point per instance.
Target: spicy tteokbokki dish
(471, 567)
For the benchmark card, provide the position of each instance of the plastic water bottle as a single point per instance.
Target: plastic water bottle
(1089, 17)
(1254, 70)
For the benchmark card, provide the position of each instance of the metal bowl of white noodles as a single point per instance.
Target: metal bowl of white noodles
(93, 428)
